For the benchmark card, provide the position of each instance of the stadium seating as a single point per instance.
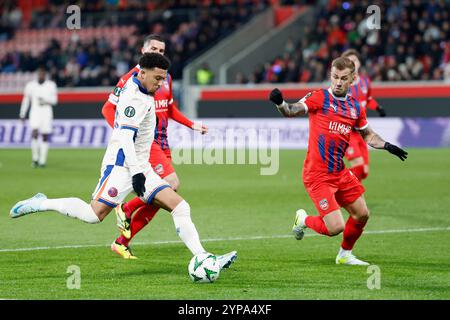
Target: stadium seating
(110, 37)
(408, 46)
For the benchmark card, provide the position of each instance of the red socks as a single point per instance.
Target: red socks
(316, 223)
(352, 232)
(139, 220)
(131, 206)
(359, 172)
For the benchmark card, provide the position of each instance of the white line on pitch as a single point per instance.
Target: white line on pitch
(221, 239)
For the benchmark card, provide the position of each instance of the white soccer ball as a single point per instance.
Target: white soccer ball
(204, 268)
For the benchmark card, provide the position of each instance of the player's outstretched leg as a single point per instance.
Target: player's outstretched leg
(71, 207)
(27, 206)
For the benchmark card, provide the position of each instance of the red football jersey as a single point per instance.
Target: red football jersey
(165, 107)
(331, 120)
(362, 91)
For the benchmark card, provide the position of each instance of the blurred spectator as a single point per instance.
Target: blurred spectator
(204, 75)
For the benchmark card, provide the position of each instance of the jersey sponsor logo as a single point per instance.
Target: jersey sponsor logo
(340, 128)
(130, 112)
(323, 204)
(112, 192)
(161, 104)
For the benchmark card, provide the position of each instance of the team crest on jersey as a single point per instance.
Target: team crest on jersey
(112, 192)
(166, 84)
(323, 204)
(159, 169)
(130, 112)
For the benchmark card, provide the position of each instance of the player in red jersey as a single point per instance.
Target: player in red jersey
(357, 152)
(333, 114)
(133, 215)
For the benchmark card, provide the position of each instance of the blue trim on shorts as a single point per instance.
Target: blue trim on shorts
(129, 128)
(112, 205)
(153, 194)
(106, 173)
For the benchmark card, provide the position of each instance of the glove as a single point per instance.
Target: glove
(276, 96)
(139, 184)
(396, 150)
(381, 111)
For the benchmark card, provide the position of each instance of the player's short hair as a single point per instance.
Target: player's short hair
(343, 63)
(351, 52)
(154, 60)
(151, 37)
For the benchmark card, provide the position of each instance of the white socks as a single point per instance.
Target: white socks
(186, 229)
(35, 149)
(343, 252)
(71, 207)
(43, 151)
(39, 151)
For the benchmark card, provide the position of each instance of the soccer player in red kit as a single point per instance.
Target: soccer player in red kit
(357, 152)
(333, 114)
(133, 215)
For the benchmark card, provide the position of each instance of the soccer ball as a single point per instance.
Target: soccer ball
(204, 268)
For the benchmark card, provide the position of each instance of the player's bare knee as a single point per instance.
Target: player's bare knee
(336, 229)
(175, 184)
(173, 181)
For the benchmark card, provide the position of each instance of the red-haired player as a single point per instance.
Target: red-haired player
(133, 215)
(357, 153)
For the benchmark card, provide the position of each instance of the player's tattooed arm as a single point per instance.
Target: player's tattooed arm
(372, 138)
(375, 141)
(287, 109)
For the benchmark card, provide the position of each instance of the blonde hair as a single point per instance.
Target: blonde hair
(343, 63)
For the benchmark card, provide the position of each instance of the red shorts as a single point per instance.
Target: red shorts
(357, 148)
(161, 160)
(329, 192)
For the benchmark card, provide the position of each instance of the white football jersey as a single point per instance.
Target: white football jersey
(135, 111)
(41, 95)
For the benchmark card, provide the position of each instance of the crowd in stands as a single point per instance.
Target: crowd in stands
(189, 27)
(413, 43)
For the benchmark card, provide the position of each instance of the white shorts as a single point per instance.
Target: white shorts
(115, 184)
(41, 119)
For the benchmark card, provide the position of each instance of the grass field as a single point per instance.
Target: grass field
(234, 208)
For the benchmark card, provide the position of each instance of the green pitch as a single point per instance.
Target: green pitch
(234, 208)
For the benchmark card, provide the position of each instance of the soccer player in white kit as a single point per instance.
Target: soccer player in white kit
(125, 165)
(42, 95)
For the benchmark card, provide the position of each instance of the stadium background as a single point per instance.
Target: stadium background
(249, 47)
